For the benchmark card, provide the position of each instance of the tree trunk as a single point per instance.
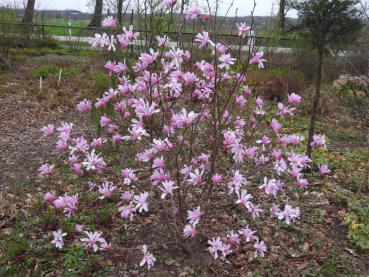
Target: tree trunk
(181, 22)
(281, 14)
(120, 12)
(97, 17)
(314, 112)
(28, 12)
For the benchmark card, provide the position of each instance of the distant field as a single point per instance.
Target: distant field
(58, 31)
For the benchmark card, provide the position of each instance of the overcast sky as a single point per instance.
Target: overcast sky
(263, 7)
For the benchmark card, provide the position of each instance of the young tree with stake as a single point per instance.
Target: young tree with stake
(327, 24)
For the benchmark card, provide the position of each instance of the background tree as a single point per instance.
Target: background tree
(120, 12)
(282, 14)
(97, 17)
(326, 24)
(29, 11)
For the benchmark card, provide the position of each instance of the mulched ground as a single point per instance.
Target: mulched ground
(22, 148)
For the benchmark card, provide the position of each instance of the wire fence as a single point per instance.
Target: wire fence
(81, 33)
(78, 31)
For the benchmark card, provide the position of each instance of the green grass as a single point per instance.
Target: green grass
(58, 31)
(45, 70)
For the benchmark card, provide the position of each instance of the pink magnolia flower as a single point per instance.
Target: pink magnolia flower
(215, 245)
(219, 48)
(68, 203)
(226, 61)
(110, 67)
(274, 210)
(97, 142)
(144, 108)
(225, 250)
(94, 240)
(77, 168)
(264, 140)
(158, 163)
(323, 169)
(277, 154)
(289, 214)
(240, 101)
(243, 29)
(302, 182)
(127, 196)
(276, 126)
(80, 146)
(319, 141)
(158, 176)
(259, 102)
(163, 40)
(49, 196)
(48, 130)
(194, 216)
(106, 190)
(203, 38)
(285, 110)
(189, 231)
(72, 159)
(216, 179)
(120, 68)
(186, 55)
(104, 121)
(109, 22)
(189, 78)
(280, 166)
(298, 160)
(271, 186)
(247, 233)
(111, 43)
(294, 99)
(246, 90)
(193, 11)
(148, 58)
(168, 187)
(130, 34)
(58, 239)
(127, 211)
(230, 139)
(260, 248)
(94, 162)
(295, 172)
(195, 177)
(100, 41)
(148, 258)
(129, 176)
(79, 228)
(46, 170)
(254, 210)
(117, 138)
(257, 59)
(141, 202)
(65, 131)
(244, 198)
(233, 238)
(236, 182)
